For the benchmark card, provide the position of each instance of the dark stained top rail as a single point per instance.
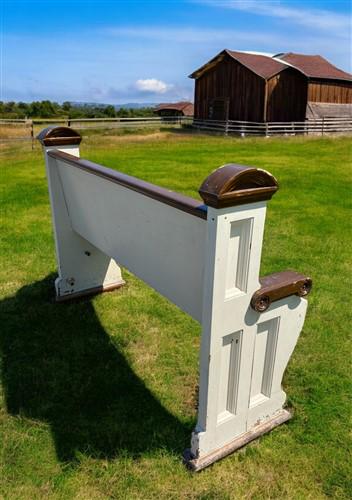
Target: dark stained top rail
(176, 200)
(228, 186)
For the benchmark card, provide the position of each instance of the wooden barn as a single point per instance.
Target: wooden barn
(255, 87)
(175, 109)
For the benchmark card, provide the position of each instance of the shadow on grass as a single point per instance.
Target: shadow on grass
(60, 366)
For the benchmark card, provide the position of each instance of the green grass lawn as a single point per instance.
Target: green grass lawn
(98, 397)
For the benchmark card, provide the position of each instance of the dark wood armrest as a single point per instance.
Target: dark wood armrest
(278, 286)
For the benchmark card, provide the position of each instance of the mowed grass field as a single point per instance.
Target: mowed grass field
(98, 397)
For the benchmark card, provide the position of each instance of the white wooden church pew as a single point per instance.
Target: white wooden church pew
(205, 258)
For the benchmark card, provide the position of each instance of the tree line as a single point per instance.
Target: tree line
(49, 109)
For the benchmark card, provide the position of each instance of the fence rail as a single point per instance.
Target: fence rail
(77, 121)
(25, 129)
(243, 128)
(16, 127)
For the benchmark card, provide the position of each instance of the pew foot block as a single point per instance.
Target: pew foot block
(90, 291)
(197, 464)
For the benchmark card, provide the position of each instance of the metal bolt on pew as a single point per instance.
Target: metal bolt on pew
(204, 256)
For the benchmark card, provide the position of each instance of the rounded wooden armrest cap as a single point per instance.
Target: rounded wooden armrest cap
(278, 286)
(234, 184)
(58, 136)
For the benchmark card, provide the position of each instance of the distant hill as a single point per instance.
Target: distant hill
(136, 105)
(127, 105)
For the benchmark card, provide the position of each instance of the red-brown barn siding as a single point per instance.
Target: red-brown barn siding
(339, 92)
(225, 88)
(286, 96)
(240, 87)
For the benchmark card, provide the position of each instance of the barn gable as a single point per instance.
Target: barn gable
(227, 89)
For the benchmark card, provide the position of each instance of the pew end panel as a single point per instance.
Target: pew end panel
(244, 351)
(83, 269)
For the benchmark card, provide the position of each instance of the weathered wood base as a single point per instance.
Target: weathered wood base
(89, 291)
(197, 464)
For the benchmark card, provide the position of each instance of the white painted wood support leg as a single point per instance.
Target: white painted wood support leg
(243, 352)
(83, 269)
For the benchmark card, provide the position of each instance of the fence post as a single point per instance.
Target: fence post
(266, 129)
(227, 127)
(322, 126)
(32, 134)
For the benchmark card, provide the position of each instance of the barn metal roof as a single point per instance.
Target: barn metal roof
(267, 65)
(262, 65)
(314, 66)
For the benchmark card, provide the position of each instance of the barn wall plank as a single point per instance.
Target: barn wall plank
(330, 91)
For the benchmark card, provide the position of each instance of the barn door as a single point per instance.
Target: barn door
(219, 109)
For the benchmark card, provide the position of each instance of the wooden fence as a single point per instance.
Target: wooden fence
(20, 130)
(244, 128)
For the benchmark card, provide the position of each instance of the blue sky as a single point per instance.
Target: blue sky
(143, 51)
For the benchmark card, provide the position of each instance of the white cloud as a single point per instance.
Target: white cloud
(313, 18)
(152, 86)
